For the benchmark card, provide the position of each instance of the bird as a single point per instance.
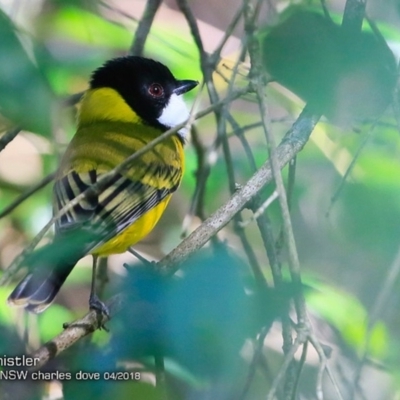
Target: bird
(131, 101)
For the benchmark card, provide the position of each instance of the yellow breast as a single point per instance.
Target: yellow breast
(134, 233)
(109, 132)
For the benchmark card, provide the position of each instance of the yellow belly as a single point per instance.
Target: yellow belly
(110, 131)
(134, 233)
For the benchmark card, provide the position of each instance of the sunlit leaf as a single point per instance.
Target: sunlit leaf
(88, 28)
(348, 315)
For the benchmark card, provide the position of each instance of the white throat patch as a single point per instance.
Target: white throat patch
(174, 114)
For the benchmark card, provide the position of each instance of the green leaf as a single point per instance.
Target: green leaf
(25, 95)
(348, 315)
(88, 28)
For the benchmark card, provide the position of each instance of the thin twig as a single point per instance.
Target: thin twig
(44, 182)
(136, 254)
(291, 181)
(349, 170)
(228, 32)
(294, 265)
(254, 362)
(208, 64)
(118, 11)
(143, 29)
(396, 102)
(300, 339)
(263, 221)
(260, 210)
(8, 137)
(354, 12)
(74, 332)
(238, 221)
(385, 291)
(293, 256)
(239, 131)
(376, 313)
(300, 367)
(187, 12)
(325, 9)
(323, 366)
(259, 78)
(249, 251)
(221, 129)
(201, 174)
(292, 143)
(290, 188)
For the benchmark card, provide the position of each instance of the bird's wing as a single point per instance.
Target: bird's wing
(103, 215)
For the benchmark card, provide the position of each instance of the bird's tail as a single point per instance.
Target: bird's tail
(49, 268)
(39, 288)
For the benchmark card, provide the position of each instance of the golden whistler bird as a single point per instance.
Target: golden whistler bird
(130, 102)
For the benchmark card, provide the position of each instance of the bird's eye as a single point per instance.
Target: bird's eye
(156, 90)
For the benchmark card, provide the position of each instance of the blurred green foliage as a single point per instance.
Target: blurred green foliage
(346, 76)
(350, 318)
(26, 97)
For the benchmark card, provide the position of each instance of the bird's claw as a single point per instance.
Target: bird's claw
(101, 309)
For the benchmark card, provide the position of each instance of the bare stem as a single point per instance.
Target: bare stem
(44, 182)
(8, 137)
(291, 144)
(74, 332)
(143, 29)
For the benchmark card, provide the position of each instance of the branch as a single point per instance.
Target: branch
(349, 170)
(228, 33)
(292, 143)
(201, 175)
(256, 359)
(353, 16)
(300, 339)
(259, 78)
(187, 12)
(143, 29)
(324, 366)
(8, 137)
(44, 182)
(75, 331)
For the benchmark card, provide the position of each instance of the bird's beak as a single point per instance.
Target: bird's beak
(185, 86)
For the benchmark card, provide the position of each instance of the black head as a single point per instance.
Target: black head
(147, 86)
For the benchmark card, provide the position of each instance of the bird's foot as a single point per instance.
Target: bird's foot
(102, 311)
